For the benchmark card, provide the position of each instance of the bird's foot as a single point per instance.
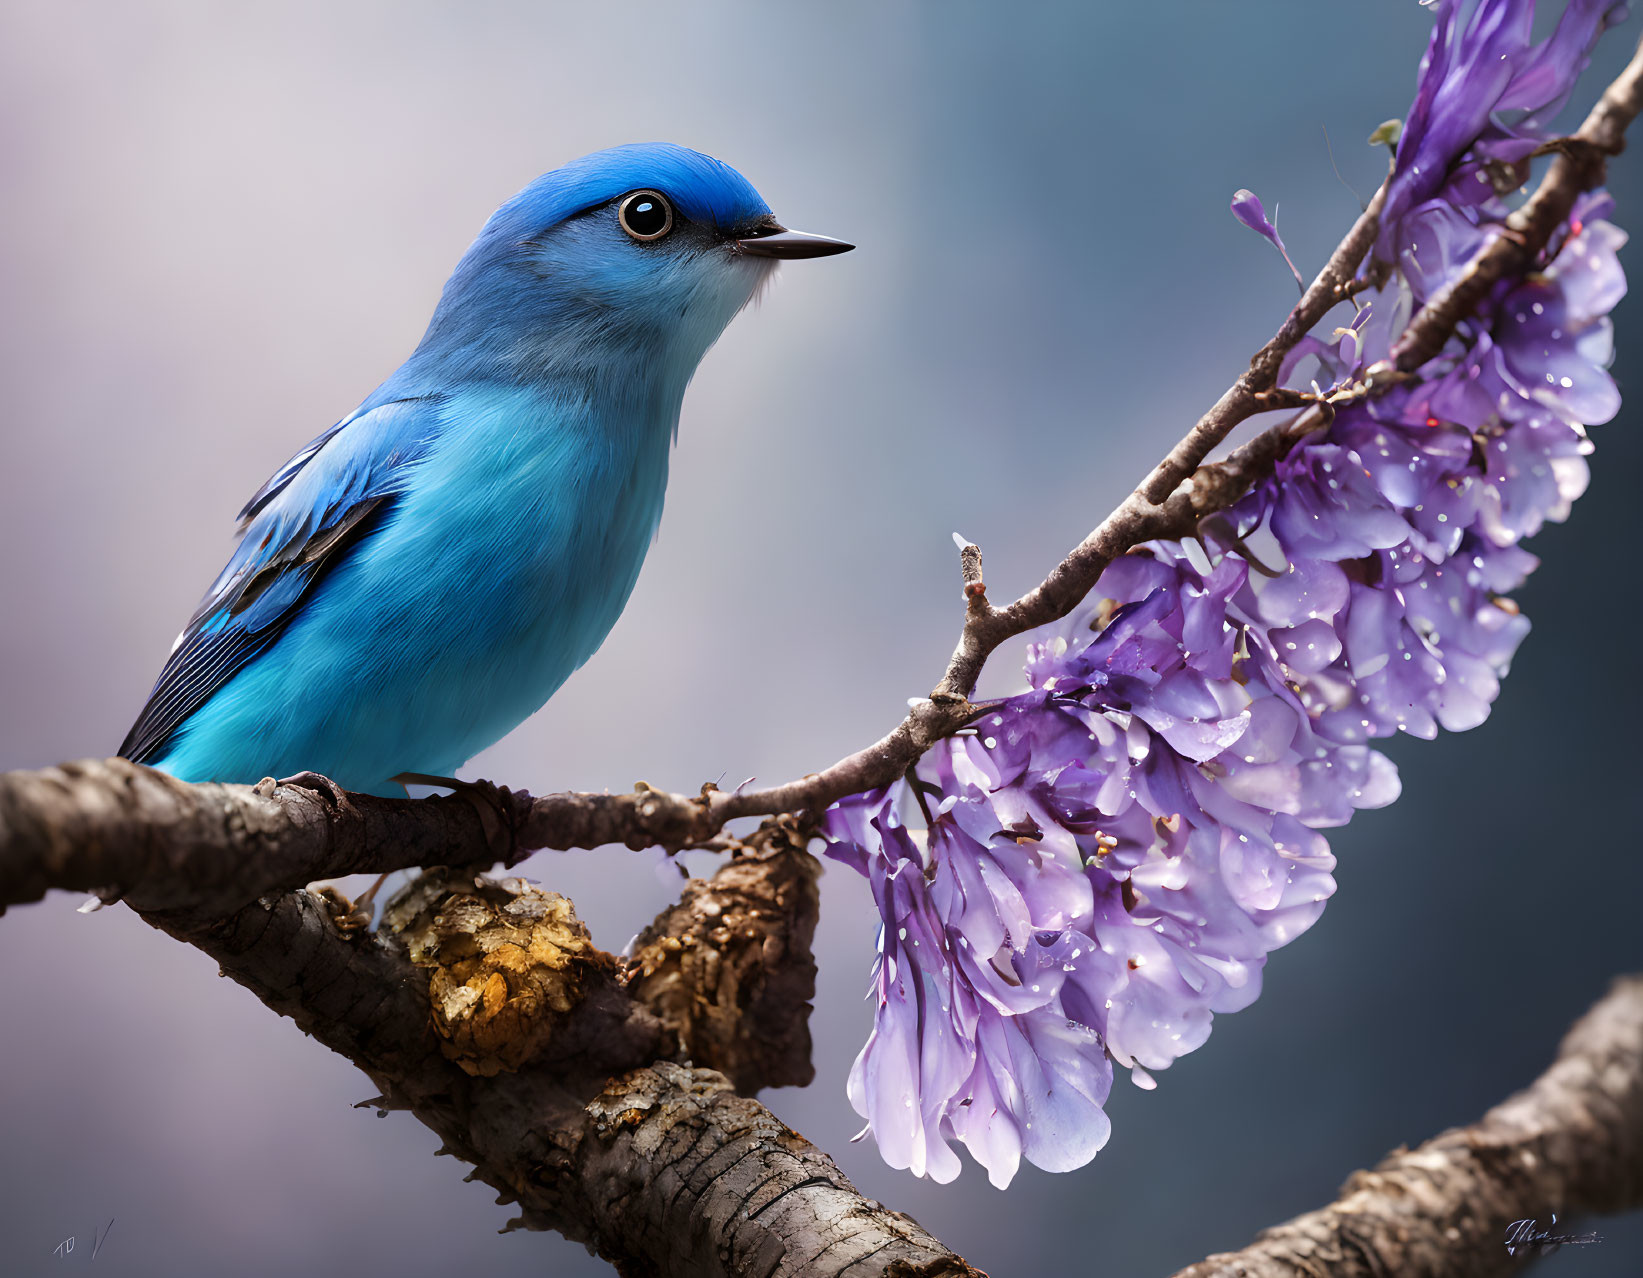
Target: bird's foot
(501, 810)
(333, 794)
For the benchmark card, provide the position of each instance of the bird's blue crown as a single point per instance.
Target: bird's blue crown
(702, 188)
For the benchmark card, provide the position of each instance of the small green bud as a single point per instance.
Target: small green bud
(1387, 134)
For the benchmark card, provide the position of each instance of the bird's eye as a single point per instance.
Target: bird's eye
(645, 215)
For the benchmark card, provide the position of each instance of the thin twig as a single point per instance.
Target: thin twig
(1161, 508)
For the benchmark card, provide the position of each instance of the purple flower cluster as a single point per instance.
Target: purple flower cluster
(1098, 865)
(1485, 93)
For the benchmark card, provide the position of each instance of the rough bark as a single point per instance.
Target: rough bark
(699, 1180)
(127, 832)
(554, 1078)
(735, 950)
(1570, 1143)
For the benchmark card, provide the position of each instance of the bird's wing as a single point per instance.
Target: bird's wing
(302, 522)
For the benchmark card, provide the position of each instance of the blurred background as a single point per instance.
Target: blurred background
(222, 225)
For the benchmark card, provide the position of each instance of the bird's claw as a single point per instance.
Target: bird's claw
(499, 817)
(496, 805)
(333, 794)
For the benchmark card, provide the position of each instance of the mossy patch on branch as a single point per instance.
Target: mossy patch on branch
(506, 963)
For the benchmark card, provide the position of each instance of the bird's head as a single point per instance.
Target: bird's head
(639, 253)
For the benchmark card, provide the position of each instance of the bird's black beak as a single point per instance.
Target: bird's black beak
(773, 240)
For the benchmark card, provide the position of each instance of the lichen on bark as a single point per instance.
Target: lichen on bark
(506, 963)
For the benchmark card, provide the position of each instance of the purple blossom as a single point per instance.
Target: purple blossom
(1106, 861)
(1485, 93)
(1247, 208)
(1096, 866)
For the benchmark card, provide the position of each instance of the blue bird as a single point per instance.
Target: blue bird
(423, 576)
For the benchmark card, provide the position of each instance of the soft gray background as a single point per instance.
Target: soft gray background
(223, 224)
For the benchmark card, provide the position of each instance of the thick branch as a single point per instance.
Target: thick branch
(1571, 1143)
(708, 1182)
(125, 831)
(662, 1168)
(665, 1170)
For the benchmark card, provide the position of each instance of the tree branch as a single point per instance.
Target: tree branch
(1570, 1143)
(664, 1169)
(125, 831)
(1160, 508)
(540, 1063)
